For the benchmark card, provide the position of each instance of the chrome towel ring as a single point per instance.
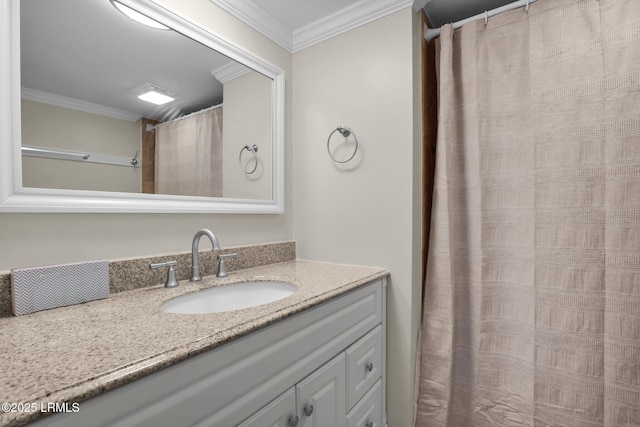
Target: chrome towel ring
(345, 131)
(253, 150)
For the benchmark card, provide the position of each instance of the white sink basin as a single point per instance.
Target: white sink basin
(231, 297)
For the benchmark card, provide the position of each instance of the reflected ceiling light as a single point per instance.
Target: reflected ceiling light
(138, 17)
(155, 97)
(154, 94)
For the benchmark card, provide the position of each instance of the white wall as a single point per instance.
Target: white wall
(40, 239)
(367, 211)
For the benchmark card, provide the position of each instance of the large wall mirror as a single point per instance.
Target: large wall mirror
(124, 106)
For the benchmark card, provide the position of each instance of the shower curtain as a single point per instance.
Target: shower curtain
(189, 155)
(531, 310)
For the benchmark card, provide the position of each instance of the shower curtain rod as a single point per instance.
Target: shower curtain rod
(151, 128)
(80, 156)
(432, 33)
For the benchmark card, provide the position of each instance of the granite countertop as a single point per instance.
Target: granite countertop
(70, 354)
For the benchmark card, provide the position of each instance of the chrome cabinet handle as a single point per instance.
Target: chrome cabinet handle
(369, 366)
(308, 410)
(293, 422)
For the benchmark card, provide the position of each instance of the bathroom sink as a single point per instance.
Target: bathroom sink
(231, 297)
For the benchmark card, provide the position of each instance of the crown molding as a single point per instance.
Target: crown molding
(344, 20)
(347, 19)
(78, 105)
(229, 71)
(259, 20)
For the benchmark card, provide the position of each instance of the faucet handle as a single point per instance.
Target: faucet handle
(222, 266)
(171, 282)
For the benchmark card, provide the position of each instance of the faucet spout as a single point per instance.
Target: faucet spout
(195, 258)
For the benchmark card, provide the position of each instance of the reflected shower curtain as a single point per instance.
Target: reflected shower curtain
(189, 155)
(532, 304)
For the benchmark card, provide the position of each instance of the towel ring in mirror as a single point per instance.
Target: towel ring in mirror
(345, 131)
(253, 150)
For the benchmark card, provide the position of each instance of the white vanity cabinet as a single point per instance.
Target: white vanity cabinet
(330, 356)
(351, 381)
(320, 401)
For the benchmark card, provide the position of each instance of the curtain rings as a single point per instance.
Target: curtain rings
(253, 150)
(345, 131)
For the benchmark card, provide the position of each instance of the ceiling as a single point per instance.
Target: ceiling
(440, 12)
(103, 58)
(297, 24)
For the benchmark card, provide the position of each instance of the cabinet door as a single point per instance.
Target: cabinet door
(279, 413)
(321, 396)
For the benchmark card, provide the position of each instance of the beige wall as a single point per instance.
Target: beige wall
(40, 239)
(247, 121)
(366, 211)
(45, 125)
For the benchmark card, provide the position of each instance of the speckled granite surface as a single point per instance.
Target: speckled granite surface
(73, 353)
(129, 274)
(5, 295)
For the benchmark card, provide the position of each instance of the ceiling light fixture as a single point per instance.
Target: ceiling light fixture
(137, 16)
(155, 97)
(153, 94)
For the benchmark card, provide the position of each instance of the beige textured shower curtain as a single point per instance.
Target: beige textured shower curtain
(189, 155)
(532, 300)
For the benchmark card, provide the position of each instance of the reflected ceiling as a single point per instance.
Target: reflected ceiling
(52, 49)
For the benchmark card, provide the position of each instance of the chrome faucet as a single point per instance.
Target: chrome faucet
(195, 258)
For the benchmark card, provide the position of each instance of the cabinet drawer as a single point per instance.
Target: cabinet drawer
(364, 365)
(368, 412)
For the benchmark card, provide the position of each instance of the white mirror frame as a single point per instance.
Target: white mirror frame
(15, 198)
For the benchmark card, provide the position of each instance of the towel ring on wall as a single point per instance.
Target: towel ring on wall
(345, 131)
(253, 150)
